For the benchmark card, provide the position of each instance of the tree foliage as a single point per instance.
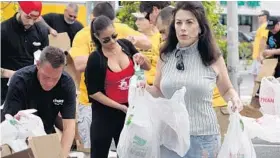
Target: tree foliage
(124, 14)
(212, 11)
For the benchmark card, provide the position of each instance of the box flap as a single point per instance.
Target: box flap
(46, 146)
(61, 41)
(5, 150)
(22, 154)
(267, 69)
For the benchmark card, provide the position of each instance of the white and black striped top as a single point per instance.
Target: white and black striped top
(200, 81)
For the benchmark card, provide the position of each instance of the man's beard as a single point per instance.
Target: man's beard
(21, 23)
(68, 21)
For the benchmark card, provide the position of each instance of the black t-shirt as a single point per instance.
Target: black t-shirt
(95, 73)
(25, 92)
(18, 46)
(273, 42)
(57, 22)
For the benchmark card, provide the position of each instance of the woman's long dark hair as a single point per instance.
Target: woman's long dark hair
(97, 25)
(207, 46)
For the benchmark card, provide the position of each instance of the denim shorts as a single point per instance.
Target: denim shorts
(204, 146)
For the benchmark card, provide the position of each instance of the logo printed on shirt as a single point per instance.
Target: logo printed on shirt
(124, 83)
(272, 42)
(58, 101)
(37, 44)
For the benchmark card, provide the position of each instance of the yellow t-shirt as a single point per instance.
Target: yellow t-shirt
(83, 45)
(261, 33)
(218, 100)
(153, 55)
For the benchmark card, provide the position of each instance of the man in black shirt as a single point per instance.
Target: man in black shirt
(273, 42)
(20, 38)
(48, 89)
(58, 23)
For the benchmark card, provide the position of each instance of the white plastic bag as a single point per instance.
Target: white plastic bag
(174, 119)
(237, 143)
(37, 56)
(270, 96)
(266, 128)
(14, 132)
(151, 122)
(138, 138)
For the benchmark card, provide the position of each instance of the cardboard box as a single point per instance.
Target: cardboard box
(61, 41)
(47, 146)
(256, 88)
(255, 103)
(22, 154)
(5, 150)
(252, 112)
(267, 69)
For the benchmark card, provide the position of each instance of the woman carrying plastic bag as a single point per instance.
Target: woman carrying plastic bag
(237, 143)
(270, 96)
(148, 125)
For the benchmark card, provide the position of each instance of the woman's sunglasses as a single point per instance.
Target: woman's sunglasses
(108, 39)
(179, 64)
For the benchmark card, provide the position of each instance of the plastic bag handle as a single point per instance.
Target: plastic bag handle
(136, 66)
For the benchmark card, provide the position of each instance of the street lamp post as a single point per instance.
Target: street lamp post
(232, 45)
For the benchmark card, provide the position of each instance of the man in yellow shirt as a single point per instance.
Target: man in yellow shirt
(82, 47)
(144, 26)
(259, 42)
(163, 21)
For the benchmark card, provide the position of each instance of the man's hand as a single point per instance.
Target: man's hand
(68, 135)
(260, 59)
(53, 32)
(268, 53)
(132, 39)
(139, 58)
(5, 73)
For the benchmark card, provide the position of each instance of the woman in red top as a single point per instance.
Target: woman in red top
(108, 71)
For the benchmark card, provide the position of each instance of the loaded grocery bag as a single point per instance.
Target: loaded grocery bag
(237, 142)
(138, 138)
(151, 122)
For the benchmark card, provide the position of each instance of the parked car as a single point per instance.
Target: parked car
(253, 34)
(243, 37)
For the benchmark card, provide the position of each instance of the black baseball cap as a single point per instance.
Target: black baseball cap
(272, 21)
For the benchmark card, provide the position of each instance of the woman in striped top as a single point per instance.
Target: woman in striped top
(191, 58)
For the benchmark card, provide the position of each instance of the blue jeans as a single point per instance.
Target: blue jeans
(204, 146)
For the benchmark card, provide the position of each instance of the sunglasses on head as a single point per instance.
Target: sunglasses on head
(147, 16)
(108, 39)
(179, 64)
(261, 15)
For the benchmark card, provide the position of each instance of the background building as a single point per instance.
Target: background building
(248, 13)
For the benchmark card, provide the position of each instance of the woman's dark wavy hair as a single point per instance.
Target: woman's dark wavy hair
(207, 46)
(99, 24)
